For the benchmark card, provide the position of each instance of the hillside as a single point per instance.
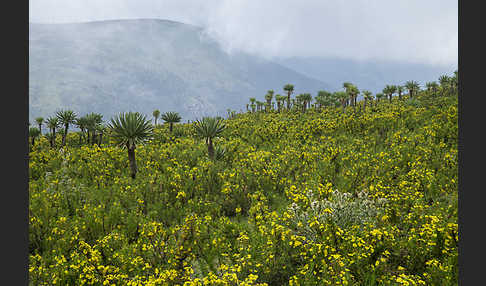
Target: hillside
(325, 197)
(122, 65)
(367, 74)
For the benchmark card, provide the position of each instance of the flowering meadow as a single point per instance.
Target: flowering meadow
(330, 196)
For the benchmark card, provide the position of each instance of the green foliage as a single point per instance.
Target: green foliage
(156, 114)
(34, 132)
(66, 117)
(171, 117)
(315, 198)
(131, 128)
(209, 127)
(52, 123)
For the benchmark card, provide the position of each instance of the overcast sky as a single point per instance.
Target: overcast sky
(403, 30)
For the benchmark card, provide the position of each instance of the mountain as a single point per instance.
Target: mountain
(143, 65)
(367, 74)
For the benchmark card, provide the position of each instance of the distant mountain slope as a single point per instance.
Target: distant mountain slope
(142, 65)
(370, 75)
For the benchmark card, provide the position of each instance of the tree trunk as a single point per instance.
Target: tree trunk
(33, 141)
(210, 148)
(170, 126)
(101, 139)
(64, 135)
(288, 101)
(133, 162)
(40, 128)
(364, 105)
(53, 137)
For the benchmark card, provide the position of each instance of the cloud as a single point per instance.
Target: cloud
(401, 30)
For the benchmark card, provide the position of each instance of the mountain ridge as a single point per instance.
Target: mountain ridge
(111, 66)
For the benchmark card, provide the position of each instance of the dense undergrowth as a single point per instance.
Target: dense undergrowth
(314, 198)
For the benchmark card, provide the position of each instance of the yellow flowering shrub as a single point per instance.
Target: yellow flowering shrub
(315, 198)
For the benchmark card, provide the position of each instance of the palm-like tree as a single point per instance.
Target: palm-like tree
(40, 121)
(93, 120)
(342, 96)
(252, 104)
(455, 81)
(379, 96)
(306, 99)
(101, 129)
(209, 128)
(412, 87)
(400, 90)
(52, 124)
(347, 88)
(34, 132)
(82, 123)
(445, 82)
(435, 87)
(386, 90)
(156, 115)
(432, 87)
(268, 98)
(289, 88)
(323, 98)
(299, 101)
(354, 92)
(279, 98)
(66, 117)
(389, 90)
(368, 96)
(128, 130)
(259, 105)
(171, 118)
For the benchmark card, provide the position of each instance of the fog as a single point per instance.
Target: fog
(402, 30)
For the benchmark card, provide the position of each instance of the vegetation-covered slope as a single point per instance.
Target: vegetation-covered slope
(324, 197)
(140, 65)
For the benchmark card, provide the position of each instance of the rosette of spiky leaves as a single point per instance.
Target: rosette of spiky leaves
(342, 96)
(52, 124)
(389, 90)
(379, 96)
(93, 120)
(219, 153)
(82, 123)
(289, 88)
(400, 89)
(268, 98)
(33, 133)
(156, 115)
(209, 128)
(40, 121)
(128, 130)
(368, 96)
(66, 117)
(171, 118)
(412, 87)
